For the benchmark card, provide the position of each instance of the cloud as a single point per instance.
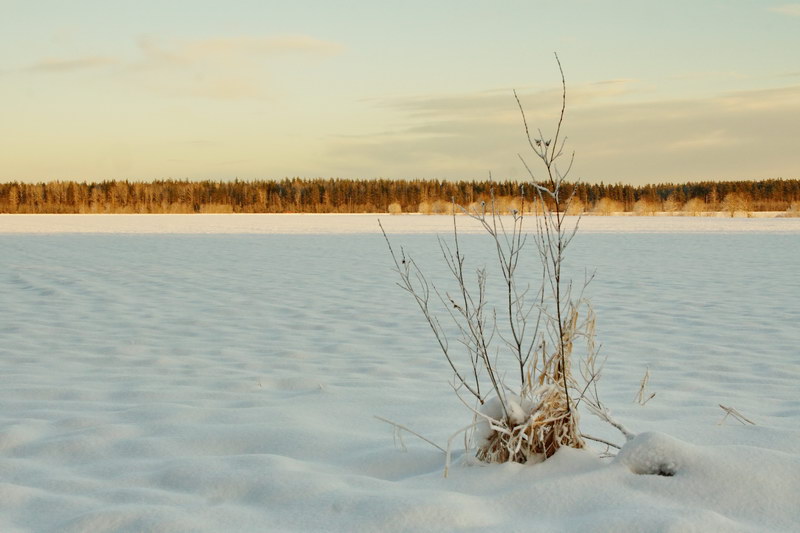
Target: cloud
(793, 10)
(263, 45)
(233, 48)
(748, 134)
(229, 68)
(496, 102)
(221, 68)
(71, 65)
(704, 140)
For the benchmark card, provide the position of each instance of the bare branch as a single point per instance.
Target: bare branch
(601, 441)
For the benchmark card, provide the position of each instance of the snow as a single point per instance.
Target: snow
(222, 373)
(284, 224)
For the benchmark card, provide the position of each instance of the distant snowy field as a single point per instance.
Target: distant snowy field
(222, 373)
(347, 224)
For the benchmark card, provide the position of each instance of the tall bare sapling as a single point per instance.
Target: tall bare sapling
(528, 413)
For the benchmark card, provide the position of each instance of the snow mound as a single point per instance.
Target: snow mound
(726, 488)
(654, 453)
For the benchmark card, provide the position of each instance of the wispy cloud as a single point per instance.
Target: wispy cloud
(214, 50)
(229, 68)
(498, 106)
(736, 135)
(220, 68)
(793, 10)
(233, 48)
(781, 98)
(263, 45)
(702, 140)
(71, 64)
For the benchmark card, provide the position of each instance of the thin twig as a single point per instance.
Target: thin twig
(404, 428)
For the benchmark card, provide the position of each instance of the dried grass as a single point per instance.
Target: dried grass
(547, 428)
(552, 420)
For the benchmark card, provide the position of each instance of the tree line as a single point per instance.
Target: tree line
(380, 196)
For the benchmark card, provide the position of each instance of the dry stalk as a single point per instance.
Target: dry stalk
(641, 397)
(730, 411)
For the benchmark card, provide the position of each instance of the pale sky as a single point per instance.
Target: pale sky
(197, 89)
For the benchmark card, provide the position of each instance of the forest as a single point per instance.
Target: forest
(382, 195)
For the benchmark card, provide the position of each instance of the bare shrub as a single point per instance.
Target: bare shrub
(695, 207)
(514, 205)
(794, 210)
(440, 207)
(607, 206)
(672, 205)
(525, 405)
(475, 207)
(736, 202)
(505, 205)
(395, 208)
(576, 207)
(435, 207)
(645, 207)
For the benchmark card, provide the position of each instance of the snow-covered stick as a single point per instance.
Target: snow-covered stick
(601, 441)
(603, 414)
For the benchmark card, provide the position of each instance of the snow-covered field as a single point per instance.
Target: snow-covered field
(222, 373)
(347, 224)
